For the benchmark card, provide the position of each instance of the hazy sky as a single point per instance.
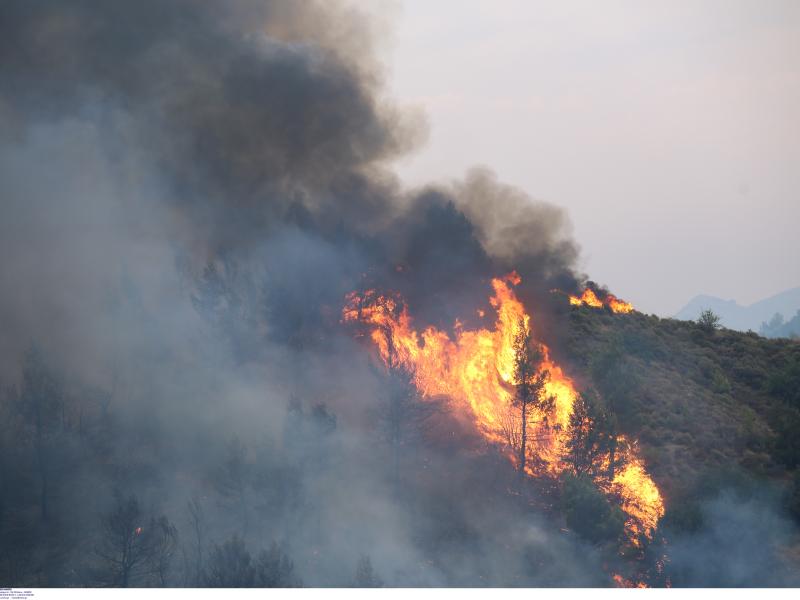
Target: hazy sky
(669, 130)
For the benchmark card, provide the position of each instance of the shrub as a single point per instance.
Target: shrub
(708, 321)
(588, 512)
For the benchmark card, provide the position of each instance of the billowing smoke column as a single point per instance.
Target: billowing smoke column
(173, 164)
(227, 124)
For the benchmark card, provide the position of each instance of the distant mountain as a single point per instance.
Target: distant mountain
(778, 327)
(743, 318)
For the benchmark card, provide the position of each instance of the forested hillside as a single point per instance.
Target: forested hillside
(697, 398)
(715, 413)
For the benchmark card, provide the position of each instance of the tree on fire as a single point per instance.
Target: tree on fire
(133, 547)
(585, 443)
(588, 512)
(616, 385)
(530, 382)
(592, 435)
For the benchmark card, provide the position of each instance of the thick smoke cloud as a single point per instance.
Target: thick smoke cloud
(251, 116)
(189, 190)
(722, 552)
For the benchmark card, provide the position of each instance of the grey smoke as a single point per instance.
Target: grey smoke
(189, 188)
(744, 542)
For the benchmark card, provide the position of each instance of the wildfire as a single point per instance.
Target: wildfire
(621, 582)
(475, 369)
(589, 298)
(640, 498)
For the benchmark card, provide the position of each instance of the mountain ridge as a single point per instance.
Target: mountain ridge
(743, 318)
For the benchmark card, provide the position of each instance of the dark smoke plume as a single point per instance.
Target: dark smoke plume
(189, 189)
(252, 118)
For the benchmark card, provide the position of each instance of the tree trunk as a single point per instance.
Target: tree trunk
(41, 464)
(524, 440)
(395, 442)
(612, 457)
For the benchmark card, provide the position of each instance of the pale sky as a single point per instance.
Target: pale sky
(670, 131)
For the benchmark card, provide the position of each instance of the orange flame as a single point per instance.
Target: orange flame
(589, 298)
(475, 369)
(621, 582)
(618, 306)
(640, 498)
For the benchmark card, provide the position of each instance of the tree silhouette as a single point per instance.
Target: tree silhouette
(40, 403)
(530, 381)
(709, 321)
(133, 547)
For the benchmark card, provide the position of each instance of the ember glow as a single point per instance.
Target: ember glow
(590, 298)
(474, 369)
(621, 582)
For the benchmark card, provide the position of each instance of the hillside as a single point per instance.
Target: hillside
(711, 409)
(715, 416)
(744, 318)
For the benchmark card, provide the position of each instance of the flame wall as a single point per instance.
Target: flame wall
(475, 369)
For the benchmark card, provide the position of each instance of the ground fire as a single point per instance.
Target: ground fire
(590, 298)
(476, 370)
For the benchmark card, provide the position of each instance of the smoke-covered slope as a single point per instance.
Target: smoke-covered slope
(717, 415)
(190, 191)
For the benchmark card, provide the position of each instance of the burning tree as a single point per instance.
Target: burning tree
(530, 379)
(584, 441)
(588, 512)
(131, 549)
(501, 379)
(617, 385)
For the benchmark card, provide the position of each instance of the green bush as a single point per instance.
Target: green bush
(588, 512)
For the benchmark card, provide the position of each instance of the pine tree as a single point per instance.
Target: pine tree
(530, 380)
(584, 438)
